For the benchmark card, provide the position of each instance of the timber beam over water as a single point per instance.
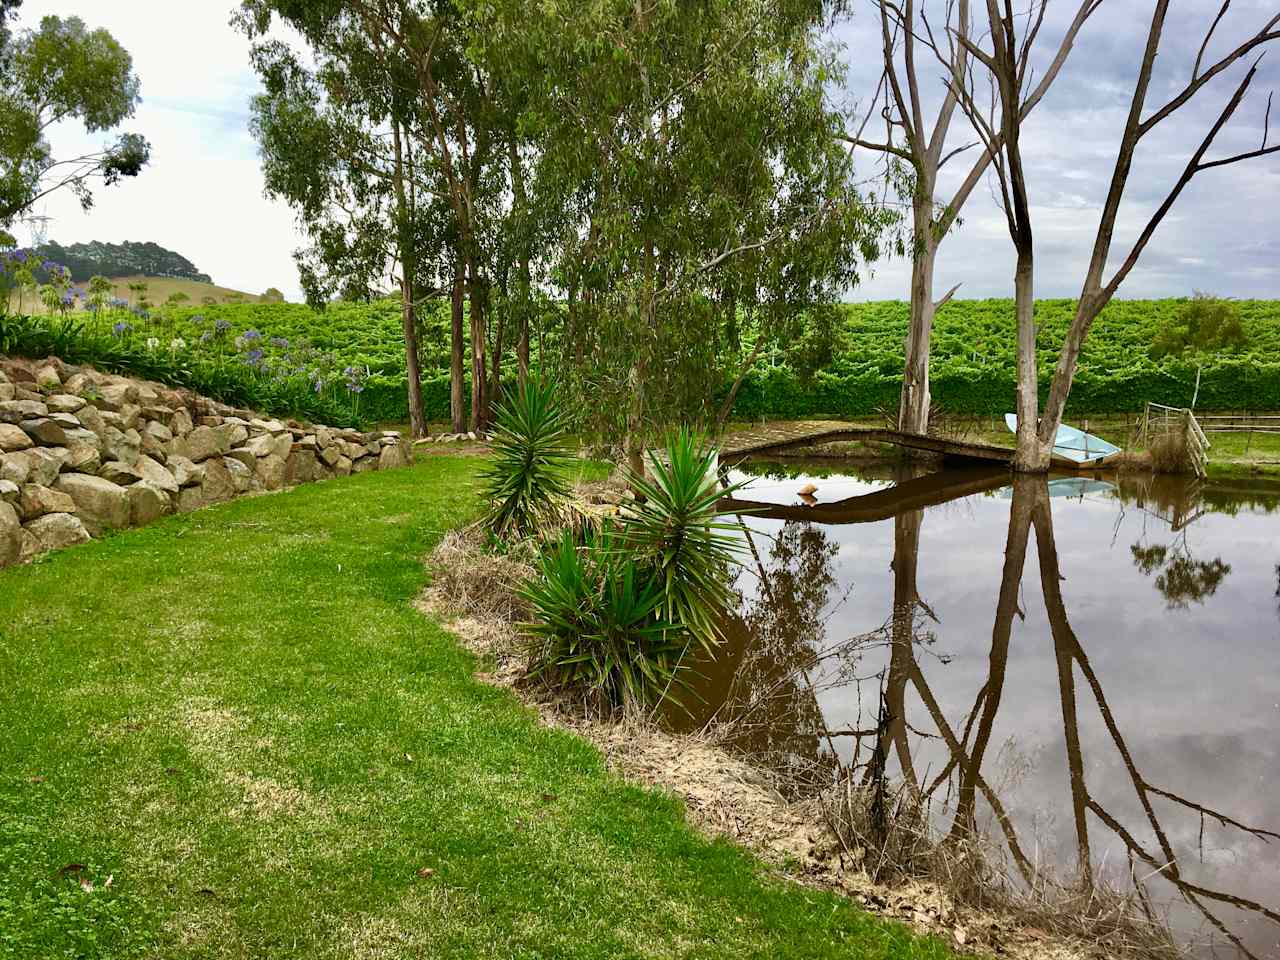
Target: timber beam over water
(804, 433)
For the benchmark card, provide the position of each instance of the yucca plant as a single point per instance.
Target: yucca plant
(673, 530)
(596, 623)
(525, 481)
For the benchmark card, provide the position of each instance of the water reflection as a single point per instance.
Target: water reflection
(1139, 788)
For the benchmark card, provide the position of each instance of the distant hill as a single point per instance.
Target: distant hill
(128, 259)
(159, 289)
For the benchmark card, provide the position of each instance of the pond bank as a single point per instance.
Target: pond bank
(727, 795)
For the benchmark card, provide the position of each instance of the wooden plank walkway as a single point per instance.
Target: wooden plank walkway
(803, 433)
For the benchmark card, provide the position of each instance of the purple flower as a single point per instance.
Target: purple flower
(280, 343)
(120, 329)
(221, 326)
(251, 335)
(206, 336)
(254, 357)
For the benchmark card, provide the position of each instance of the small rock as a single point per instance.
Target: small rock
(119, 472)
(9, 491)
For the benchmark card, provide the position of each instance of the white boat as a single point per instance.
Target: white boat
(1073, 447)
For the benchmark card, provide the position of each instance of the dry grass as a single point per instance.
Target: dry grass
(889, 831)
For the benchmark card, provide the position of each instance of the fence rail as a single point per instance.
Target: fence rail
(1240, 423)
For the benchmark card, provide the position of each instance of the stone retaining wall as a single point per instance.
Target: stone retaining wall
(82, 452)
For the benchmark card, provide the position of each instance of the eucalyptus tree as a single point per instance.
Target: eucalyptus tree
(62, 71)
(675, 139)
(918, 143)
(337, 143)
(999, 125)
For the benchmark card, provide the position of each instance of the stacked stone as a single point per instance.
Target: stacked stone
(82, 452)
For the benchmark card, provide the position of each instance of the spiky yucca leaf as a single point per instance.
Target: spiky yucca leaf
(673, 528)
(525, 480)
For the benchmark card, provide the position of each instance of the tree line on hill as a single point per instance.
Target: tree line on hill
(128, 259)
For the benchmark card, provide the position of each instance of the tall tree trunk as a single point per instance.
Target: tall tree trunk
(408, 263)
(457, 374)
(494, 396)
(726, 408)
(1032, 455)
(523, 283)
(479, 410)
(913, 405)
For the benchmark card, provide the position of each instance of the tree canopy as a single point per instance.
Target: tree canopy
(63, 71)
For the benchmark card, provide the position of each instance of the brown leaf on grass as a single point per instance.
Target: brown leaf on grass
(549, 798)
(37, 779)
(86, 885)
(426, 872)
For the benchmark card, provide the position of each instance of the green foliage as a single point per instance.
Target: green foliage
(1206, 323)
(672, 530)
(524, 482)
(62, 71)
(272, 295)
(224, 374)
(596, 623)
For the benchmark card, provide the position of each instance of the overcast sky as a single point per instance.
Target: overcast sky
(202, 194)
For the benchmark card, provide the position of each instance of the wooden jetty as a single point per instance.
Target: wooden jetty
(803, 433)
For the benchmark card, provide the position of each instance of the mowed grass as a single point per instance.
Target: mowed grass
(230, 735)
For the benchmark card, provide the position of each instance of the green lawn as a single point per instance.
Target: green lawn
(255, 746)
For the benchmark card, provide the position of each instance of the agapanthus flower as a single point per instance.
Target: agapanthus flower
(280, 343)
(153, 343)
(254, 357)
(177, 343)
(206, 336)
(251, 335)
(120, 329)
(221, 326)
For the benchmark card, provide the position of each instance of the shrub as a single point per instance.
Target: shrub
(673, 531)
(1206, 323)
(524, 481)
(596, 623)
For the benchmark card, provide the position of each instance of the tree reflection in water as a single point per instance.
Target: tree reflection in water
(786, 618)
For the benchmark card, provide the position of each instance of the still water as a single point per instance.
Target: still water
(1094, 663)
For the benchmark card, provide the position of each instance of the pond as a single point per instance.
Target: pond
(1087, 669)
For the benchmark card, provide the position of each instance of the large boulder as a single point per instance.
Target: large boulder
(393, 455)
(14, 468)
(91, 419)
(270, 444)
(270, 471)
(186, 473)
(122, 445)
(115, 394)
(147, 503)
(218, 483)
(190, 498)
(301, 467)
(14, 438)
(201, 444)
(241, 474)
(10, 535)
(35, 501)
(57, 530)
(180, 423)
(82, 457)
(15, 411)
(119, 472)
(46, 432)
(40, 465)
(101, 504)
(156, 475)
(65, 403)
